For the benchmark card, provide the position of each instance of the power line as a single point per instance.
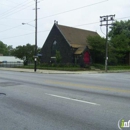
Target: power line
(58, 13)
(102, 31)
(5, 5)
(11, 11)
(75, 26)
(10, 28)
(24, 34)
(16, 12)
(17, 7)
(15, 19)
(49, 30)
(62, 13)
(15, 26)
(87, 24)
(13, 8)
(73, 9)
(11, 1)
(4, 17)
(123, 17)
(69, 10)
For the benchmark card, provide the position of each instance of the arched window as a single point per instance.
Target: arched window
(54, 48)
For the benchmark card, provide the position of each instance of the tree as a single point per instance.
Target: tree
(97, 50)
(120, 40)
(25, 52)
(3, 49)
(118, 45)
(58, 57)
(10, 50)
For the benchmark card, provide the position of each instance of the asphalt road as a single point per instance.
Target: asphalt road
(32, 101)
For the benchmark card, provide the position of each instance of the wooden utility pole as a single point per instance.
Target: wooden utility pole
(108, 19)
(35, 57)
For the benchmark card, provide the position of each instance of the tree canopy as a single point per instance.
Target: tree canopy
(97, 44)
(25, 52)
(118, 45)
(4, 49)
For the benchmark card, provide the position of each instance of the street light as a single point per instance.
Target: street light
(28, 24)
(35, 55)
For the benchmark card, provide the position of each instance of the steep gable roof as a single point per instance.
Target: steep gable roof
(76, 37)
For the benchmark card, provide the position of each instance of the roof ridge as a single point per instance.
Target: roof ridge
(75, 28)
(74, 36)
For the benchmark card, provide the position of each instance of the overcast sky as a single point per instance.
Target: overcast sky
(84, 14)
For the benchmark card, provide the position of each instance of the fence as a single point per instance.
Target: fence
(11, 64)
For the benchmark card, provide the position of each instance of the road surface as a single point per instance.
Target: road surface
(32, 101)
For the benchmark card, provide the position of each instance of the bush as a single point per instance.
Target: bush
(119, 67)
(99, 66)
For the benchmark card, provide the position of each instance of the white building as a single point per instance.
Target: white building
(10, 59)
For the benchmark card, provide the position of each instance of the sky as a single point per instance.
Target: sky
(83, 14)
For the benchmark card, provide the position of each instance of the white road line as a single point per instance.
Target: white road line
(82, 101)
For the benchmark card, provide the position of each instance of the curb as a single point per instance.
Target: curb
(61, 72)
(49, 71)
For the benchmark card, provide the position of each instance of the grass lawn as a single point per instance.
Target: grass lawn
(77, 68)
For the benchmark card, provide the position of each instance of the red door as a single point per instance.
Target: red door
(86, 58)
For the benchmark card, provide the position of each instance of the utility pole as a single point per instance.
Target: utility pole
(35, 57)
(108, 19)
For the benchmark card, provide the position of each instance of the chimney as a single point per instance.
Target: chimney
(56, 22)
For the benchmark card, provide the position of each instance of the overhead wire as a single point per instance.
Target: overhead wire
(5, 5)
(123, 17)
(49, 30)
(86, 24)
(11, 1)
(10, 28)
(15, 10)
(9, 11)
(15, 26)
(17, 6)
(73, 9)
(60, 13)
(45, 31)
(25, 34)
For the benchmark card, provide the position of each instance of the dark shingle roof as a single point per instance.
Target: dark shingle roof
(77, 38)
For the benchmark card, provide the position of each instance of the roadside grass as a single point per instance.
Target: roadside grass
(57, 68)
(118, 67)
(95, 67)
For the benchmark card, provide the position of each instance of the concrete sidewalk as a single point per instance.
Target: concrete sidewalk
(49, 71)
(62, 72)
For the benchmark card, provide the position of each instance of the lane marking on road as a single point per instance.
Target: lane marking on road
(88, 87)
(72, 99)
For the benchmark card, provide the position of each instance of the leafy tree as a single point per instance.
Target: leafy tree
(120, 40)
(25, 52)
(58, 57)
(3, 49)
(10, 50)
(120, 27)
(118, 45)
(97, 50)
